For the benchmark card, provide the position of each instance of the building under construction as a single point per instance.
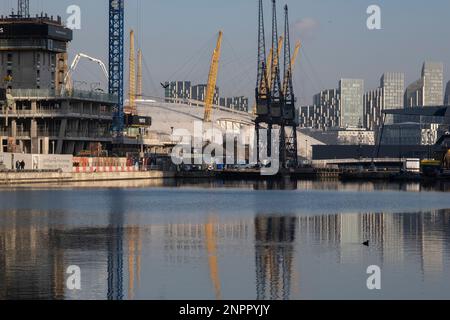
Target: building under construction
(38, 115)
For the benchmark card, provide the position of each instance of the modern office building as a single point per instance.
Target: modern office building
(393, 85)
(186, 92)
(324, 113)
(198, 92)
(428, 90)
(389, 95)
(236, 103)
(177, 90)
(373, 109)
(433, 83)
(411, 134)
(351, 103)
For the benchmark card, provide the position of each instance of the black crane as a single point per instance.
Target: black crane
(275, 103)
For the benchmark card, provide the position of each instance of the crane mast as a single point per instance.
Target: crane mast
(212, 79)
(139, 76)
(116, 60)
(276, 98)
(289, 155)
(262, 82)
(132, 76)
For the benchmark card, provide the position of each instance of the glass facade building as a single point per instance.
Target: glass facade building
(352, 111)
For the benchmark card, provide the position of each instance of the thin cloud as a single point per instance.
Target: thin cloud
(306, 28)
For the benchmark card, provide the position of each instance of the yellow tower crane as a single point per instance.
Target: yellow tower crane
(132, 76)
(139, 76)
(212, 79)
(275, 59)
(298, 46)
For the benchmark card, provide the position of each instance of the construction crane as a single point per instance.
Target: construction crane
(23, 8)
(298, 46)
(116, 60)
(212, 79)
(75, 64)
(132, 76)
(139, 76)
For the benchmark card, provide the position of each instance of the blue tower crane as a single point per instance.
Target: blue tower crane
(116, 60)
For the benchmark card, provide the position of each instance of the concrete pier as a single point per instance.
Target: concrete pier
(33, 177)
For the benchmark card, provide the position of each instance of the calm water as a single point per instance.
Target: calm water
(225, 241)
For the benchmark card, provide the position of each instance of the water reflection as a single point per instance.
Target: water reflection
(219, 257)
(274, 251)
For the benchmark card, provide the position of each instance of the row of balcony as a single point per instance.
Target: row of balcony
(73, 94)
(96, 113)
(95, 134)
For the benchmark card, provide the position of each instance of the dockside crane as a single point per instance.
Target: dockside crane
(289, 152)
(212, 79)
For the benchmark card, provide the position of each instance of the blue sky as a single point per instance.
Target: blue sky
(336, 42)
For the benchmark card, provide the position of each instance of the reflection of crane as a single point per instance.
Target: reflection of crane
(211, 247)
(212, 79)
(75, 64)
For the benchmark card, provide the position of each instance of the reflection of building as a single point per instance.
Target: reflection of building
(50, 251)
(274, 250)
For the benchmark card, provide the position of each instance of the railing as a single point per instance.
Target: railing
(75, 94)
(90, 134)
(60, 112)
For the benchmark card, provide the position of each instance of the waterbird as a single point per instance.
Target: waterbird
(366, 243)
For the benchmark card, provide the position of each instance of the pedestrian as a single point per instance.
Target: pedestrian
(17, 165)
(22, 165)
